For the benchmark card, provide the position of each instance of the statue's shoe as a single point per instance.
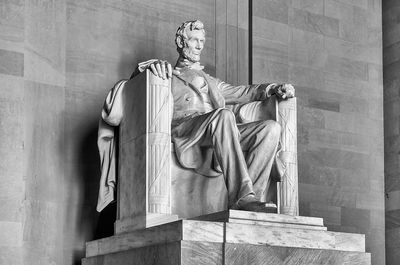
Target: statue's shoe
(250, 203)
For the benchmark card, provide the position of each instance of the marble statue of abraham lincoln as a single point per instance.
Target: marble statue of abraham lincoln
(205, 132)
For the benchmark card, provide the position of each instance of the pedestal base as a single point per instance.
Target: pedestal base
(264, 239)
(151, 219)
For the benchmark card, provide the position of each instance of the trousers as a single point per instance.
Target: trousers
(245, 153)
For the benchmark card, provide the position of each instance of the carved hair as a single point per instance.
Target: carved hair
(181, 32)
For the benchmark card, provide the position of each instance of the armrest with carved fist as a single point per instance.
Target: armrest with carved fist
(158, 67)
(282, 91)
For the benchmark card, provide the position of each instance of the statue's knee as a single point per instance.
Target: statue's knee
(273, 128)
(226, 115)
(276, 127)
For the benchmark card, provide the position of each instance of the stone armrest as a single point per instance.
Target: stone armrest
(285, 113)
(268, 109)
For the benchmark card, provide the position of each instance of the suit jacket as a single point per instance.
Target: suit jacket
(188, 101)
(191, 118)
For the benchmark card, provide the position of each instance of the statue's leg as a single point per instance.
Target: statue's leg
(222, 134)
(260, 140)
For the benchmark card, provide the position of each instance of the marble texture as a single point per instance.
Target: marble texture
(191, 186)
(11, 170)
(332, 52)
(237, 254)
(265, 219)
(44, 186)
(146, 159)
(138, 222)
(188, 230)
(288, 188)
(290, 237)
(391, 81)
(183, 252)
(302, 234)
(12, 24)
(277, 225)
(103, 40)
(194, 253)
(12, 63)
(164, 254)
(232, 33)
(145, 154)
(12, 233)
(45, 44)
(159, 116)
(224, 216)
(203, 253)
(205, 242)
(308, 21)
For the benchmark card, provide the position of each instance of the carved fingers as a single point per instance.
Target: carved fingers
(161, 69)
(284, 91)
(289, 90)
(169, 70)
(153, 69)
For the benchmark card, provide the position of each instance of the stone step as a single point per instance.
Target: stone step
(289, 237)
(233, 215)
(151, 219)
(273, 224)
(206, 253)
(239, 254)
(221, 232)
(171, 232)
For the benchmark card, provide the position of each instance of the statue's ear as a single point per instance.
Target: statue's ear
(179, 42)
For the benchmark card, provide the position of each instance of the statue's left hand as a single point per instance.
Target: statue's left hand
(161, 69)
(284, 91)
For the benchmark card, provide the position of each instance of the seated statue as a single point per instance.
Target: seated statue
(205, 117)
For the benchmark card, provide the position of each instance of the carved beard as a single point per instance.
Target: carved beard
(188, 54)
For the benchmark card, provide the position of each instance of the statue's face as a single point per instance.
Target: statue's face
(193, 46)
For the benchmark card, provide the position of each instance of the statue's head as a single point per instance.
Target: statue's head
(189, 39)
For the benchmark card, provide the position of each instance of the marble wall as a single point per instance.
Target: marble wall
(391, 81)
(331, 50)
(58, 58)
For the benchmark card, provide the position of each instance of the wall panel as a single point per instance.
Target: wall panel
(331, 51)
(391, 81)
(63, 56)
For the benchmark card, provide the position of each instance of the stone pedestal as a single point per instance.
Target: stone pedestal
(232, 237)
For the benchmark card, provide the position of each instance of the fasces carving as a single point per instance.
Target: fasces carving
(159, 115)
(288, 187)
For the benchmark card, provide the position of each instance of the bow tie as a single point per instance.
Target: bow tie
(196, 66)
(188, 64)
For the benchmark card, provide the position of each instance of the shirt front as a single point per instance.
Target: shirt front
(200, 83)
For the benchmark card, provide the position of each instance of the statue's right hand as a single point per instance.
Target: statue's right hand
(161, 69)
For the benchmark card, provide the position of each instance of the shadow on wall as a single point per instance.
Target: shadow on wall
(91, 225)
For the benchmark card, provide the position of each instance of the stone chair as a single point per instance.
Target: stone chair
(154, 189)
